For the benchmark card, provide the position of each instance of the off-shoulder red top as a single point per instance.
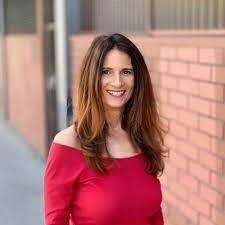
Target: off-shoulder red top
(75, 194)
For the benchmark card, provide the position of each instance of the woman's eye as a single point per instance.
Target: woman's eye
(127, 72)
(105, 72)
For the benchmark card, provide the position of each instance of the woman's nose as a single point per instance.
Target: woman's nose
(117, 79)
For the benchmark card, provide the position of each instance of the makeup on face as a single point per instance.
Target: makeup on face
(117, 79)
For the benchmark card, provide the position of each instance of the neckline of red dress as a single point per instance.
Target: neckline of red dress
(80, 151)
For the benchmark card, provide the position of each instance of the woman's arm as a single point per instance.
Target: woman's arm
(59, 181)
(157, 217)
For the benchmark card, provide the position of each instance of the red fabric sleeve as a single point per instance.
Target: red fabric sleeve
(59, 182)
(157, 218)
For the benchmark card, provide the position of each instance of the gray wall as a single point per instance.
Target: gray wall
(140, 15)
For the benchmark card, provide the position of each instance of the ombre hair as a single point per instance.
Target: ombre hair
(140, 117)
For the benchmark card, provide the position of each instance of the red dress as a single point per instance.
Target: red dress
(75, 194)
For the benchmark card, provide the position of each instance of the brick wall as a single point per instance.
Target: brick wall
(26, 89)
(188, 73)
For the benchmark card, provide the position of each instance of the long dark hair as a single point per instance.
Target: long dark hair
(140, 116)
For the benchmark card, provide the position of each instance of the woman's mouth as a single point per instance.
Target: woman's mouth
(116, 93)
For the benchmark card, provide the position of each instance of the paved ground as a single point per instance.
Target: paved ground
(21, 172)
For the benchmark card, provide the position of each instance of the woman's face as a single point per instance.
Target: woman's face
(117, 79)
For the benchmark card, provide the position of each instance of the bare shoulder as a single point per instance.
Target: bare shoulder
(67, 137)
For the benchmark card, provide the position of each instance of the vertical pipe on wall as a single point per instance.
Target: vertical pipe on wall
(61, 62)
(73, 8)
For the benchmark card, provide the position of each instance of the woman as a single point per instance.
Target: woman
(103, 169)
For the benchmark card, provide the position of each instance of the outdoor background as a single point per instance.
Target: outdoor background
(42, 43)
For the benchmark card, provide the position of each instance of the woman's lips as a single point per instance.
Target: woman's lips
(116, 93)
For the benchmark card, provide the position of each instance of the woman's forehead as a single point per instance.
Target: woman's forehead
(117, 58)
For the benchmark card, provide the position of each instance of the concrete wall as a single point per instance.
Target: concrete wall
(188, 72)
(26, 88)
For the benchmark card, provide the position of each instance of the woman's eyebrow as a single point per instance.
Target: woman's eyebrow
(126, 68)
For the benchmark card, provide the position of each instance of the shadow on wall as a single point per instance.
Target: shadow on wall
(69, 113)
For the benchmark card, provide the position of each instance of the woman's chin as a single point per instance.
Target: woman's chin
(114, 106)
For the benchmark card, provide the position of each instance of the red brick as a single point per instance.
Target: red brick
(199, 204)
(179, 190)
(218, 182)
(163, 66)
(211, 91)
(199, 139)
(211, 161)
(178, 68)
(199, 171)
(200, 72)
(153, 51)
(218, 74)
(218, 147)
(155, 77)
(211, 55)
(187, 149)
(168, 52)
(211, 196)
(189, 182)
(170, 197)
(189, 86)
(178, 130)
(189, 54)
(177, 99)
(211, 126)
(169, 82)
(26, 81)
(218, 217)
(189, 211)
(169, 111)
(152, 65)
(171, 171)
(170, 141)
(218, 110)
(188, 118)
(200, 105)
(160, 66)
(205, 221)
(178, 160)
(162, 95)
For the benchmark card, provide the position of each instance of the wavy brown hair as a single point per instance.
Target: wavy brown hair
(140, 116)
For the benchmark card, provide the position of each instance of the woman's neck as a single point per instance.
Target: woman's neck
(113, 118)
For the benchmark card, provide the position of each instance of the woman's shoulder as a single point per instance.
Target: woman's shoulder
(65, 147)
(67, 137)
(64, 159)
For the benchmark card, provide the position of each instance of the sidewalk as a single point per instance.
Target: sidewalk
(21, 171)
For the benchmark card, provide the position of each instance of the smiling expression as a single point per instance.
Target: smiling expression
(117, 79)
